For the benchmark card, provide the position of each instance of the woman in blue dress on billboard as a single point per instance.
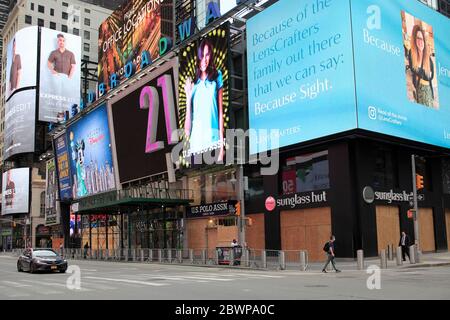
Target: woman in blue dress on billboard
(422, 67)
(204, 126)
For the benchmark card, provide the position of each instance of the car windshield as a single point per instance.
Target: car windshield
(44, 254)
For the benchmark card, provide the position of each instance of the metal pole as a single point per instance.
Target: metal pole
(383, 259)
(399, 256)
(360, 255)
(416, 206)
(242, 239)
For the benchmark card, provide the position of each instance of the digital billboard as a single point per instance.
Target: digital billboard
(202, 9)
(150, 110)
(20, 119)
(16, 191)
(204, 95)
(130, 31)
(402, 67)
(91, 163)
(51, 192)
(383, 66)
(63, 168)
(21, 60)
(60, 74)
(300, 73)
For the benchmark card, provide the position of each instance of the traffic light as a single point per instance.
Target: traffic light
(238, 209)
(419, 182)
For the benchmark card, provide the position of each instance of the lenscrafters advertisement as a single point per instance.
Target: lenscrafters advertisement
(20, 117)
(60, 75)
(132, 29)
(21, 60)
(15, 191)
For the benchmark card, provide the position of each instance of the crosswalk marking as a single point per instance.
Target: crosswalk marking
(129, 281)
(16, 284)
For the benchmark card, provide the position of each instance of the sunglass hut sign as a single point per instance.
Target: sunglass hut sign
(297, 201)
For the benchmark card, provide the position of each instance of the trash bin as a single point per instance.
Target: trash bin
(224, 255)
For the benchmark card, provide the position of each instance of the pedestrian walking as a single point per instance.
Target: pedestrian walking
(329, 249)
(86, 248)
(404, 244)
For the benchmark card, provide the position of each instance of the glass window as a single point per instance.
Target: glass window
(44, 254)
(87, 11)
(28, 20)
(32, 6)
(52, 12)
(87, 47)
(65, 16)
(214, 187)
(87, 35)
(76, 19)
(87, 21)
(65, 4)
(41, 9)
(53, 25)
(306, 173)
(255, 183)
(40, 22)
(76, 31)
(384, 174)
(64, 28)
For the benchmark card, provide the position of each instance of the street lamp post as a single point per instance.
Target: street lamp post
(416, 206)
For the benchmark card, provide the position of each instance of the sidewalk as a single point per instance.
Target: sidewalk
(428, 260)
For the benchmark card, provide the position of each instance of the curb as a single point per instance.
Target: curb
(427, 265)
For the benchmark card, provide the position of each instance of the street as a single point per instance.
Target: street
(109, 280)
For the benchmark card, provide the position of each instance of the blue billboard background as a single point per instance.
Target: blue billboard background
(91, 163)
(324, 67)
(63, 169)
(384, 99)
(300, 72)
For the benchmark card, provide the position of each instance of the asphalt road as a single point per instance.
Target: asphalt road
(109, 280)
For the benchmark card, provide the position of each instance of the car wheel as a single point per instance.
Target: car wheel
(19, 268)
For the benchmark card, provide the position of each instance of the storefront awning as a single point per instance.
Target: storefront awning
(128, 200)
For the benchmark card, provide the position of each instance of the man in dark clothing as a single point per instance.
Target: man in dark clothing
(329, 249)
(404, 243)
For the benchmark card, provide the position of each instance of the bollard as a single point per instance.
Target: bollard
(204, 256)
(390, 254)
(417, 254)
(399, 256)
(217, 257)
(231, 257)
(264, 259)
(142, 255)
(160, 258)
(191, 256)
(282, 260)
(412, 254)
(383, 259)
(180, 256)
(169, 255)
(246, 255)
(303, 264)
(150, 255)
(360, 256)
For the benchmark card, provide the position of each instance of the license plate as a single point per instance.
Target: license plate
(54, 267)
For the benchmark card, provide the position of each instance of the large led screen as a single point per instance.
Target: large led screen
(202, 9)
(132, 29)
(402, 63)
(204, 94)
(91, 163)
(60, 74)
(144, 118)
(51, 191)
(21, 60)
(20, 120)
(16, 191)
(62, 164)
(300, 73)
(322, 68)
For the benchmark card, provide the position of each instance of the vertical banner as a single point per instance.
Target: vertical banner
(51, 192)
(62, 163)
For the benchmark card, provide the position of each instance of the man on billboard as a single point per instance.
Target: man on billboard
(16, 69)
(62, 60)
(204, 125)
(10, 191)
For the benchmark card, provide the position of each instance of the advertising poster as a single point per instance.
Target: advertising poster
(204, 95)
(20, 121)
(140, 131)
(91, 163)
(202, 9)
(410, 42)
(132, 29)
(21, 60)
(51, 192)
(300, 73)
(16, 191)
(60, 74)
(62, 162)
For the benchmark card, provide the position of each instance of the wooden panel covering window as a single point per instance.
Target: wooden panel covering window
(388, 226)
(426, 230)
(307, 229)
(255, 234)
